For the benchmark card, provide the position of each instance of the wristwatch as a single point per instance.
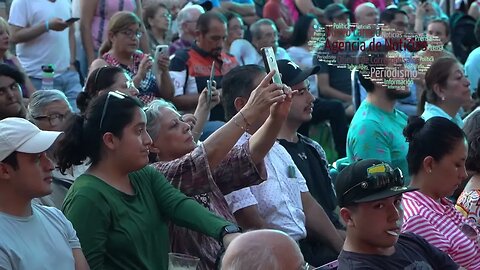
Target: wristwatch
(232, 228)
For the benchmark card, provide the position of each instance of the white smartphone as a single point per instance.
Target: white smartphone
(161, 49)
(270, 62)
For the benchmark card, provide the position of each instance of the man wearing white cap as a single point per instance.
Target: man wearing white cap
(31, 235)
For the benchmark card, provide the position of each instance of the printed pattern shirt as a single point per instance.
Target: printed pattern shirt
(278, 198)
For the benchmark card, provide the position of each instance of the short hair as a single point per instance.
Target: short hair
(40, 99)
(238, 82)
(229, 15)
(12, 72)
(388, 15)
(203, 23)
(256, 257)
(153, 114)
(443, 21)
(255, 27)
(99, 79)
(379, 53)
(472, 132)
(184, 14)
(424, 140)
(150, 11)
(300, 32)
(11, 160)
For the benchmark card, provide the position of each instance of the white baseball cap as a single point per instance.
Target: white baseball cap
(20, 135)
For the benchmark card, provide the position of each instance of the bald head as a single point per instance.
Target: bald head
(262, 249)
(366, 13)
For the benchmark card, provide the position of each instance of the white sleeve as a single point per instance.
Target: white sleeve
(178, 78)
(244, 52)
(19, 14)
(472, 70)
(240, 199)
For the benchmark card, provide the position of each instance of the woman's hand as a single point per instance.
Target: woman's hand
(263, 97)
(163, 62)
(281, 109)
(203, 98)
(144, 66)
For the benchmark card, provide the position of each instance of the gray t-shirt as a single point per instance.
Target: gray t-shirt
(43, 240)
(411, 253)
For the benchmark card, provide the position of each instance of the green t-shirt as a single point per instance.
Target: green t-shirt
(120, 231)
(375, 133)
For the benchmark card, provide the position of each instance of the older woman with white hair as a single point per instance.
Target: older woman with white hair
(216, 167)
(48, 110)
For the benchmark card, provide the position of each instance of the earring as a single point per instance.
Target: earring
(430, 171)
(443, 98)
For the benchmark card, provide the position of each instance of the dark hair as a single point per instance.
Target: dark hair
(229, 15)
(203, 22)
(435, 138)
(477, 31)
(99, 79)
(379, 53)
(437, 73)
(238, 82)
(150, 11)
(83, 135)
(11, 160)
(472, 132)
(300, 30)
(12, 72)
(388, 15)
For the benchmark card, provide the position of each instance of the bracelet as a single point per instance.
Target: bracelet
(245, 129)
(46, 25)
(244, 119)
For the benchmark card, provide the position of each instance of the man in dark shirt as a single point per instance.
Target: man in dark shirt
(308, 156)
(11, 101)
(369, 193)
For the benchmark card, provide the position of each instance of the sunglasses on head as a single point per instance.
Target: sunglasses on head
(379, 177)
(115, 94)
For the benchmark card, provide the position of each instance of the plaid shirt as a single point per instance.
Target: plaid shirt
(193, 176)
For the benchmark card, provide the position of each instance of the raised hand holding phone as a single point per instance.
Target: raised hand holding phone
(210, 84)
(270, 62)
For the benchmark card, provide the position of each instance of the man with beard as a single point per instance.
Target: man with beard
(190, 68)
(370, 196)
(376, 130)
(11, 101)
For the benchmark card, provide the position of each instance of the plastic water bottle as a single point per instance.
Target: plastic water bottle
(47, 77)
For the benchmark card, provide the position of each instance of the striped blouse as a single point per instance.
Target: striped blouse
(442, 226)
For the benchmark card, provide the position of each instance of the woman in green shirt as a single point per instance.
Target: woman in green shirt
(120, 207)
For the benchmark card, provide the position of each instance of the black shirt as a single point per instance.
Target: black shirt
(411, 253)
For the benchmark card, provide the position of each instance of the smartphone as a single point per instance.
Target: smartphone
(161, 49)
(210, 84)
(270, 62)
(72, 20)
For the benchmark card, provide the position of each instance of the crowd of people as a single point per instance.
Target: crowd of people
(113, 155)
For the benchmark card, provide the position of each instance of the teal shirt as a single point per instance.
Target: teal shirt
(375, 133)
(432, 110)
(120, 231)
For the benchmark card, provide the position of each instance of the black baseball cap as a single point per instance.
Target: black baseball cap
(334, 10)
(292, 74)
(369, 180)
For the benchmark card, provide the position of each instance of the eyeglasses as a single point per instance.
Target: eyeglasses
(116, 94)
(132, 34)
(380, 177)
(167, 15)
(54, 119)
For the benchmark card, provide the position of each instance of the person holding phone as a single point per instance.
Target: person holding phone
(46, 39)
(121, 50)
